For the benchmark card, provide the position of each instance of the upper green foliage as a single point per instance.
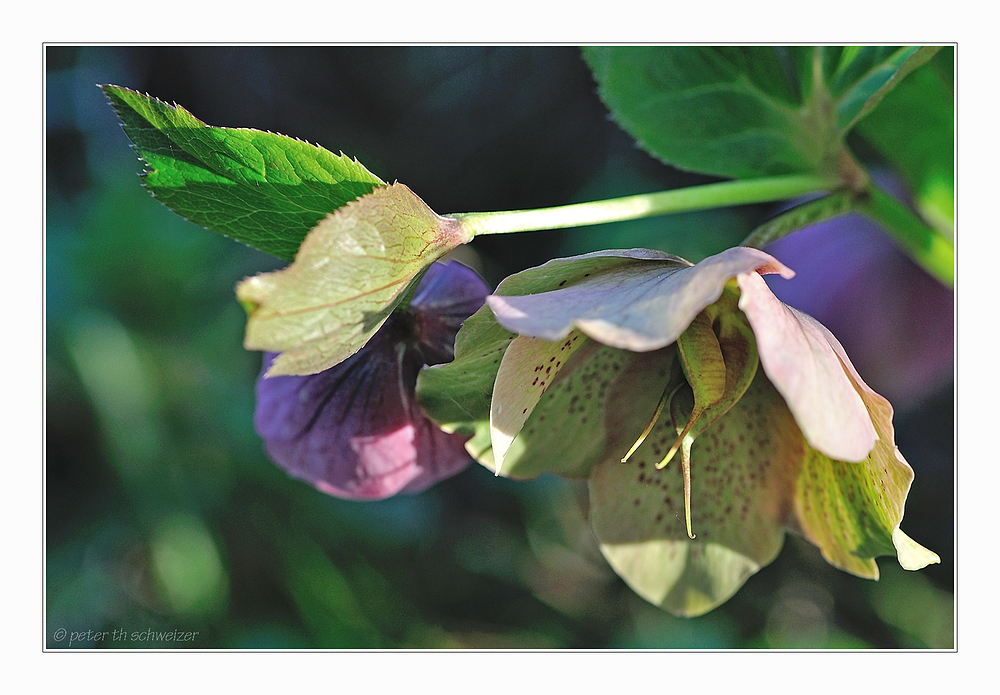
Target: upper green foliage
(741, 111)
(263, 189)
(914, 129)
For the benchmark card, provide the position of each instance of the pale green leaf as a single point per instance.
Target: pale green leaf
(349, 274)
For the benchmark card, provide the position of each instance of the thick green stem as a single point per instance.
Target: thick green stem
(934, 251)
(713, 195)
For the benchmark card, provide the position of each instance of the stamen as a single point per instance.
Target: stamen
(664, 399)
(677, 445)
(686, 467)
(683, 444)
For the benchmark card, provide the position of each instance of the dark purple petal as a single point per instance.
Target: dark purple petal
(447, 295)
(355, 430)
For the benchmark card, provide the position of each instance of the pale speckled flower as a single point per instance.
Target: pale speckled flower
(800, 444)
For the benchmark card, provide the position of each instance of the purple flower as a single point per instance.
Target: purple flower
(355, 430)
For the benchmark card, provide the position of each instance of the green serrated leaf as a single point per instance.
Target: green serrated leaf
(350, 273)
(727, 111)
(747, 111)
(262, 189)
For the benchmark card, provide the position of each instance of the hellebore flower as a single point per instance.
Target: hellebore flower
(355, 430)
(617, 363)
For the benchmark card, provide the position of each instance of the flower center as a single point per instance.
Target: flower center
(675, 393)
(718, 360)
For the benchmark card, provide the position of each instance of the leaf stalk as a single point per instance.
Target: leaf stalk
(708, 196)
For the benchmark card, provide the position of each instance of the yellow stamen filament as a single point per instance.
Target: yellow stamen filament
(683, 443)
(680, 438)
(664, 399)
(686, 467)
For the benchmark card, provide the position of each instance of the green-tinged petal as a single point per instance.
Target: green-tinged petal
(349, 274)
(743, 471)
(852, 511)
(642, 304)
(912, 555)
(564, 434)
(798, 357)
(528, 368)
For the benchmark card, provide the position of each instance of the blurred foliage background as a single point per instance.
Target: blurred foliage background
(162, 511)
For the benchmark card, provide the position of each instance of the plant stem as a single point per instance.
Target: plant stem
(712, 195)
(934, 251)
(801, 216)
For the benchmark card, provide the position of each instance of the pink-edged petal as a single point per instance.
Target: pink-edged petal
(799, 358)
(355, 430)
(641, 306)
(896, 321)
(853, 511)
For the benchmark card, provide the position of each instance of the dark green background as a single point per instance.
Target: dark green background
(162, 511)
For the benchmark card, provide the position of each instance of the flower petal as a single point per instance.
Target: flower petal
(743, 472)
(354, 430)
(642, 305)
(853, 512)
(550, 440)
(896, 321)
(528, 368)
(798, 355)
(448, 294)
